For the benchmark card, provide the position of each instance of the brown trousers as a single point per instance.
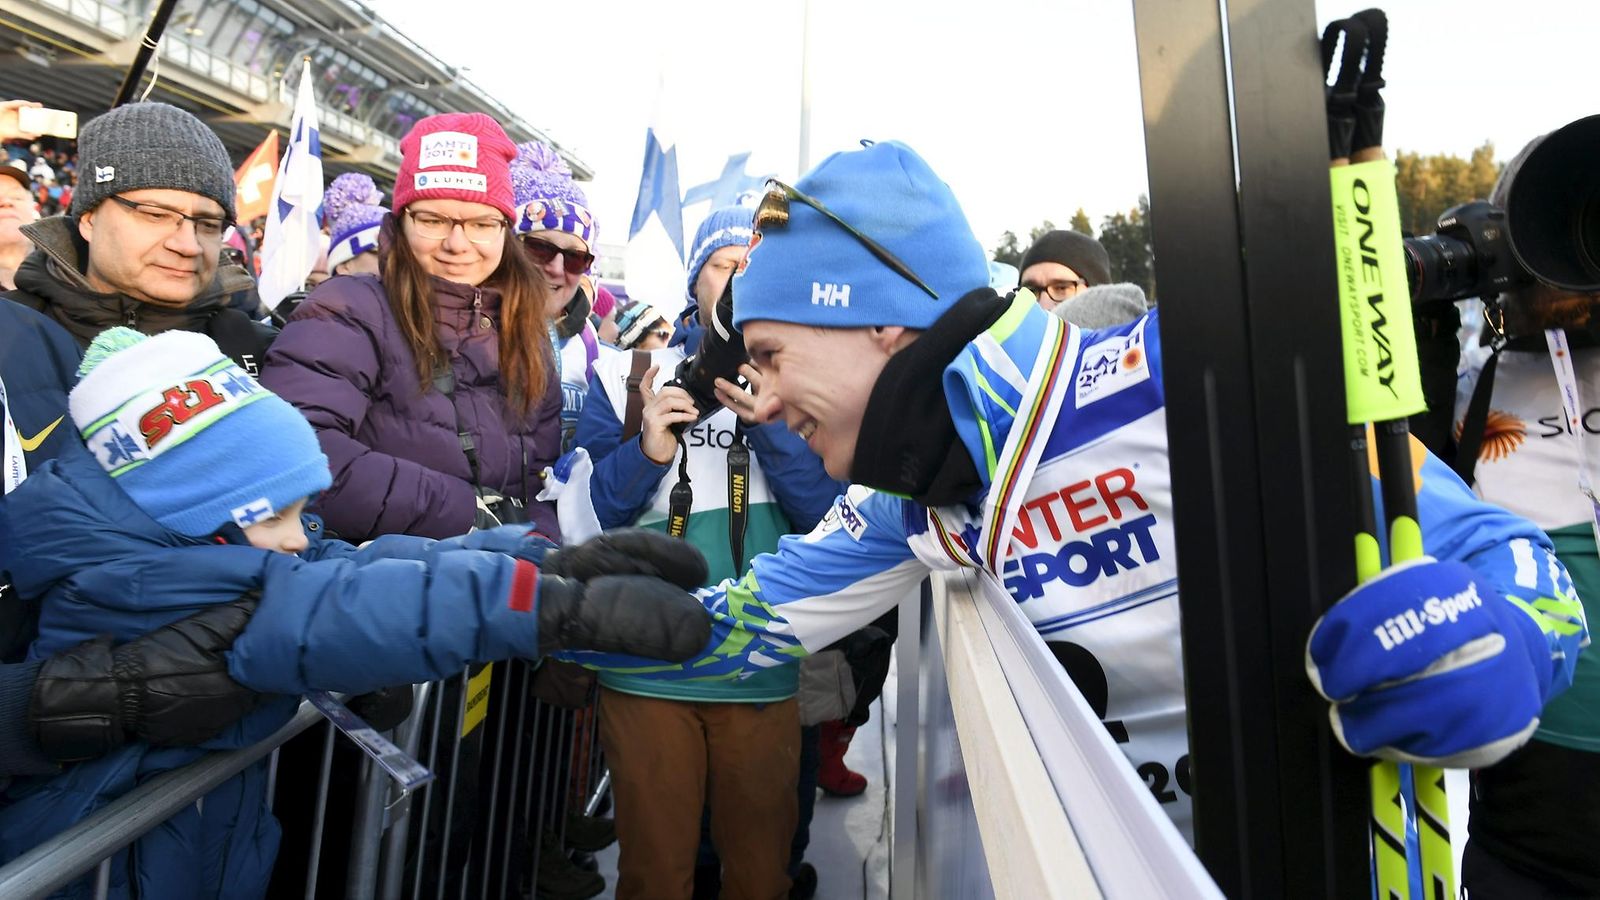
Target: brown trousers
(668, 758)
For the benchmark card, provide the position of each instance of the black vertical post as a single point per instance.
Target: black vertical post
(147, 49)
(1255, 418)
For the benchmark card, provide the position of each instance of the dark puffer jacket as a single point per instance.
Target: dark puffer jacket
(398, 465)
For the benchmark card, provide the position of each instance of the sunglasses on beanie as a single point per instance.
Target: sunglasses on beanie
(773, 214)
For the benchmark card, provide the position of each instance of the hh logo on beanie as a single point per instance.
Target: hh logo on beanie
(193, 440)
(813, 271)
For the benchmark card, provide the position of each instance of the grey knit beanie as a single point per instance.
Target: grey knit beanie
(150, 145)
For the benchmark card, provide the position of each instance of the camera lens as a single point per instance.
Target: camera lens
(1440, 267)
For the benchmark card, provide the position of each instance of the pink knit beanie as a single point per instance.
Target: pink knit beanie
(456, 156)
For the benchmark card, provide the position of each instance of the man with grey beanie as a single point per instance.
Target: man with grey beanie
(141, 245)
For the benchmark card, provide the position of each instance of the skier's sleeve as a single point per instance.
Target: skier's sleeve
(813, 590)
(794, 474)
(624, 480)
(1511, 553)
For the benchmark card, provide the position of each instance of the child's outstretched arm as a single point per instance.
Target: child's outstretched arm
(357, 625)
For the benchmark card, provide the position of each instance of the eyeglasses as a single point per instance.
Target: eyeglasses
(206, 228)
(662, 333)
(542, 251)
(434, 227)
(1059, 291)
(773, 213)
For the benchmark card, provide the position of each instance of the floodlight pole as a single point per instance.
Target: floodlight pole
(1255, 422)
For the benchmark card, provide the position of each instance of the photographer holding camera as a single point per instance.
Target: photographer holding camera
(690, 459)
(1527, 416)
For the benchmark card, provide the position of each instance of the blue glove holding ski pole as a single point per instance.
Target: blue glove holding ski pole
(1429, 663)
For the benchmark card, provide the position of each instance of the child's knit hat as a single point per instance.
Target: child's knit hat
(194, 440)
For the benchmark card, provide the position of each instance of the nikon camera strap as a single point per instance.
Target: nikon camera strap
(738, 495)
(681, 501)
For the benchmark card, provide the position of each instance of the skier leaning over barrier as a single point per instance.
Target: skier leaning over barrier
(986, 433)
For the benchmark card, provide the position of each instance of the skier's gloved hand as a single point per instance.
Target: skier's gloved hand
(632, 614)
(631, 551)
(169, 687)
(1428, 663)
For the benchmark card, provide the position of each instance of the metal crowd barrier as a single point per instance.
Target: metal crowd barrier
(538, 762)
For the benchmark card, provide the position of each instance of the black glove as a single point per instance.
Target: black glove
(384, 708)
(631, 614)
(630, 551)
(169, 687)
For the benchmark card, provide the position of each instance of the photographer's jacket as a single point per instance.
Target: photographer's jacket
(786, 484)
(1057, 486)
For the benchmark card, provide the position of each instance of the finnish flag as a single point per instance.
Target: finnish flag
(293, 238)
(252, 513)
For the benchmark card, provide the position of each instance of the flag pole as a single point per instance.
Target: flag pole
(147, 49)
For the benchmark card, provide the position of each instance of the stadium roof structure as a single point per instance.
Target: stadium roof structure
(236, 64)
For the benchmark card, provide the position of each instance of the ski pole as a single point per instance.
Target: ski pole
(1383, 386)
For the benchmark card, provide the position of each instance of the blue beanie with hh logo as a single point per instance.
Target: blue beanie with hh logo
(814, 272)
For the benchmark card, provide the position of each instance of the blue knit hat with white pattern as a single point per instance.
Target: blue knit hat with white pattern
(194, 440)
(726, 227)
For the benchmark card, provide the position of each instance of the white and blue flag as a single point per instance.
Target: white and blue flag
(655, 258)
(729, 187)
(293, 238)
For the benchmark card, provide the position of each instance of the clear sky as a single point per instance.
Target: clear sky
(1028, 108)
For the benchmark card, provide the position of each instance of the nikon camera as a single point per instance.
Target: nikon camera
(720, 355)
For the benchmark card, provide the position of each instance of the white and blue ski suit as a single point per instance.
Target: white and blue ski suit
(1068, 431)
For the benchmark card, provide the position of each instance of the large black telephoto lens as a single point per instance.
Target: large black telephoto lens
(1549, 230)
(1554, 207)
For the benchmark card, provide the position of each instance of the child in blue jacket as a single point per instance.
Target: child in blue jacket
(191, 495)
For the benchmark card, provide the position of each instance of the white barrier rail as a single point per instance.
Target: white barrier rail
(1060, 811)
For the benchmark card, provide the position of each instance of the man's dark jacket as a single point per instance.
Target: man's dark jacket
(52, 281)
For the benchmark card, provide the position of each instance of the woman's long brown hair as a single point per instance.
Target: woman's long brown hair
(525, 352)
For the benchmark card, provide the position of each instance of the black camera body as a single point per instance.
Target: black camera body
(720, 355)
(1468, 256)
(1549, 229)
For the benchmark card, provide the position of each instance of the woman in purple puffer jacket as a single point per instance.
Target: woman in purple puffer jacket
(447, 346)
